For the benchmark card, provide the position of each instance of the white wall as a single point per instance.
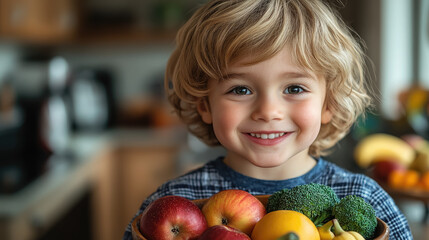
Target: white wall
(423, 73)
(396, 65)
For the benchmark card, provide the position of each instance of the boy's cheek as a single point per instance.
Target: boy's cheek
(307, 120)
(226, 120)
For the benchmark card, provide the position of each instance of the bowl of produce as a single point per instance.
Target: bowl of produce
(245, 215)
(399, 164)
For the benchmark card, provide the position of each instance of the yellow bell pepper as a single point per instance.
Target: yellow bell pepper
(340, 234)
(325, 231)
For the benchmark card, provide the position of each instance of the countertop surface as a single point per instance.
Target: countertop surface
(67, 178)
(62, 171)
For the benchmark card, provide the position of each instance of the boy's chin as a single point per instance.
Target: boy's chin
(288, 161)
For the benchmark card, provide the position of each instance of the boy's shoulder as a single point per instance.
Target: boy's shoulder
(335, 171)
(345, 182)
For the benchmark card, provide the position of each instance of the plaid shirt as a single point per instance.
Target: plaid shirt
(216, 176)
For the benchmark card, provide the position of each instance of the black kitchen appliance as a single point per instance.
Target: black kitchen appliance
(92, 99)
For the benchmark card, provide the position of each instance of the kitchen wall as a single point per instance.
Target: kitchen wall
(136, 69)
(404, 49)
(423, 42)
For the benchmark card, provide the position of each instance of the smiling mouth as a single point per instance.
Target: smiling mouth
(267, 135)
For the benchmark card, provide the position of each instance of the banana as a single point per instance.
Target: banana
(383, 146)
(421, 162)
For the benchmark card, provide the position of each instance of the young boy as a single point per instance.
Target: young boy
(276, 83)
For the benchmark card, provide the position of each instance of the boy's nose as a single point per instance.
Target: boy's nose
(268, 109)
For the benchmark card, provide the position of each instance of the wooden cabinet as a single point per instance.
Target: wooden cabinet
(38, 21)
(113, 172)
(143, 170)
(79, 22)
(89, 22)
(127, 176)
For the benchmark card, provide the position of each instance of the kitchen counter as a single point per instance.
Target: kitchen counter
(29, 212)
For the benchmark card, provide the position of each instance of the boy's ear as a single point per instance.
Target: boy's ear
(204, 110)
(326, 115)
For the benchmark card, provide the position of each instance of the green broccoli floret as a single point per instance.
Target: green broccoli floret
(354, 214)
(313, 200)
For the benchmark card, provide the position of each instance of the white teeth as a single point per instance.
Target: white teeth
(267, 136)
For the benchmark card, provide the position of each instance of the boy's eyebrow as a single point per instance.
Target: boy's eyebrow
(291, 74)
(232, 75)
(298, 74)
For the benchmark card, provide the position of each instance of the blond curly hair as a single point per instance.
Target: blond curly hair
(224, 31)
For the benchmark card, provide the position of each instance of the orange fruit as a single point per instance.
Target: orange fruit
(395, 178)
(424, 181)
(411, 178)
(404, 179)
(277, 223)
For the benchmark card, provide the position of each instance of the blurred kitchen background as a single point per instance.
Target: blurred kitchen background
(86, 133)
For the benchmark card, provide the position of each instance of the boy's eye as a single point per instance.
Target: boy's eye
(294, 90)
(241, 90)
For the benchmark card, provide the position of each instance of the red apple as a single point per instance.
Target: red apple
(172, 217)
(236, 208)
(223, 232)
(383, 167)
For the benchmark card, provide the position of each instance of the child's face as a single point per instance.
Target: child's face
(268, 112)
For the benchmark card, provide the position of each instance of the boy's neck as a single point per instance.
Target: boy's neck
(292, 168)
